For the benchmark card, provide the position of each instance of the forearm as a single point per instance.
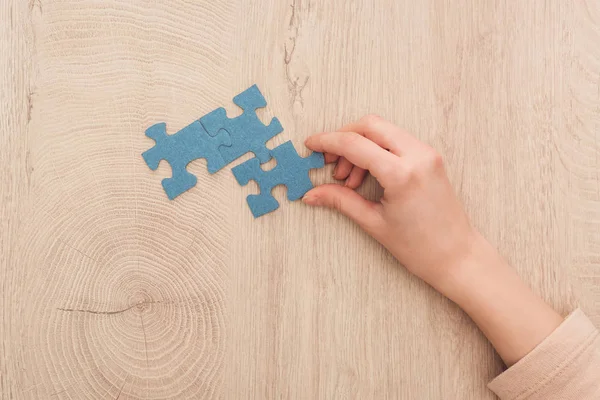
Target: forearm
(422, 223)
(512, 317)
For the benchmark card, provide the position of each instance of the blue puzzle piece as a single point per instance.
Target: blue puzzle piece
(291, 170)
(179, 149)
(247, 132)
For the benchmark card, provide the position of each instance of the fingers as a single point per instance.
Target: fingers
(385, 134)
(377, 130)
(359, 151)
(342, 169)
(353, 175)
(331, 158)
(357, 175)
(365, 213)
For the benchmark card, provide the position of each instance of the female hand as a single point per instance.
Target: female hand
(419, 218)
(422, 223)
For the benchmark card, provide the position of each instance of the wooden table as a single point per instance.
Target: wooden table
(109, 290)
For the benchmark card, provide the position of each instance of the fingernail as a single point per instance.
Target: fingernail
(310, 200)
(335, 170)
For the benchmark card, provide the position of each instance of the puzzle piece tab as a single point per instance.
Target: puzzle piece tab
(179, 149)
(291, 170)
(247, 132)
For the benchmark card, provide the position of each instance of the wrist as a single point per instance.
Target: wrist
(507, 311)
(479, 266)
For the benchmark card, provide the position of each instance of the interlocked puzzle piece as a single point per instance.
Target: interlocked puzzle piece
(291, 170)
(247, 132)
(179, 149)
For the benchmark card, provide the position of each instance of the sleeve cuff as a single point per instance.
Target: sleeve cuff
(556, 355)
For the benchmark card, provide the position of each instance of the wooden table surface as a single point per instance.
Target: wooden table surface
(109, 290)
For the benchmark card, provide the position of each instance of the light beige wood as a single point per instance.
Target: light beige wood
(108, 290)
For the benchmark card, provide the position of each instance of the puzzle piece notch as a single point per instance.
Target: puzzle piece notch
(181, 148)
(247, 132)
(291, 170)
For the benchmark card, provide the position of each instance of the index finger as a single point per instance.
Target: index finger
(385, 134)
(359, 150)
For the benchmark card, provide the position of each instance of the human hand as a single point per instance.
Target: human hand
(419, 219)
(421, 222)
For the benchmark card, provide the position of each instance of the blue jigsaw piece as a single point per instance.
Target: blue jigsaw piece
(179, 149)
(291, 170)
(247, 132)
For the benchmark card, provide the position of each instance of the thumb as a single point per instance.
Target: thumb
(364, 212)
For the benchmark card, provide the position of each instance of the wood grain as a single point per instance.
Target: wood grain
(108, 290)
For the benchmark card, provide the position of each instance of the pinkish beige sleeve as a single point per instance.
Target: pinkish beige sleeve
(565, 366)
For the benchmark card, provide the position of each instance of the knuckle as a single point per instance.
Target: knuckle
(433, 160)
(421, 168)
(390, 169)
(371, 119)
(349, 138)
(410, 173)
(336, 203)
(394, 172)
